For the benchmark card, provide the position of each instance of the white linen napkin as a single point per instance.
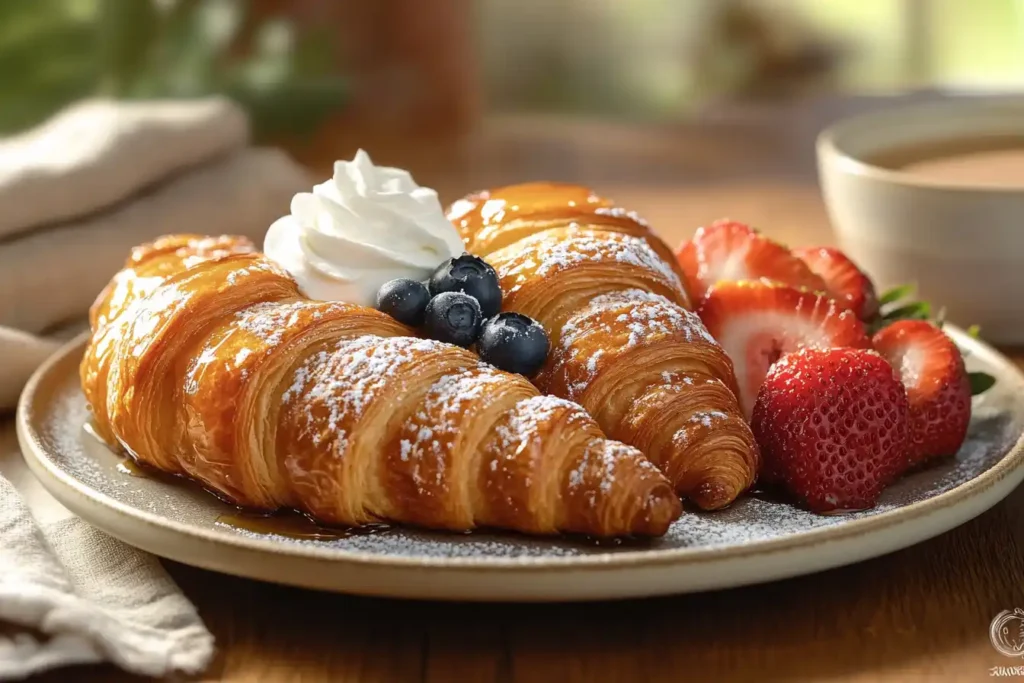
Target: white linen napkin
(70, 594)
(98, 152)
(20, 355)
(50, 273)
(75, 195)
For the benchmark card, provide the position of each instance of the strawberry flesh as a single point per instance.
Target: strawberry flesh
(756, 322)
(732, 251)
(843, 279)
(833, 427)
(937, 385)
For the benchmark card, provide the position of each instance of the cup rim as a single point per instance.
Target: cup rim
(827, 145)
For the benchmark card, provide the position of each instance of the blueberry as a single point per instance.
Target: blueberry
(404, 300)
(515, 343)
(454, 317)
(472, 275)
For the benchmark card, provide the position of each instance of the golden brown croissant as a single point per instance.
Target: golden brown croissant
(492, 219)
(624, 344)
(206, 361)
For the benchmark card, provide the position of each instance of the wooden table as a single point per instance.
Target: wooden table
(918, 614)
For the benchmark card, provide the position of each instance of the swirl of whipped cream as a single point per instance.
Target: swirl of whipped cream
(367, 225)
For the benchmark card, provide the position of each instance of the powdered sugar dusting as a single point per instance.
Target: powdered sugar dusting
(658, 313)
(449, 397)
(676, 378)
(345, 380)
(261, 266)
(545, 253)
(270, 320)
(620, 212)
(602, 457)
(438, 421)
(525, 419)
(708, 417)
(645, 316)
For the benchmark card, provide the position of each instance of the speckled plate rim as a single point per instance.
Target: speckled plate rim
(949, 509)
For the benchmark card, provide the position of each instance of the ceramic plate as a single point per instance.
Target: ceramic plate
(755, 540)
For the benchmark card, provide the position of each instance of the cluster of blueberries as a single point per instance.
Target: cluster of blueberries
(460, 305)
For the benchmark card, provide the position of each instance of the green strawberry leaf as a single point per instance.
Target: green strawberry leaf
(918, 310)
(980, 382)
(895, 294)
(974, 332)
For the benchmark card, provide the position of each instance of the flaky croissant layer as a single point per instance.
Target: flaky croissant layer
(206, 361)
(624, 344)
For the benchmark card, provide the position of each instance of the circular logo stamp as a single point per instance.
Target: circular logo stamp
(1007, 633)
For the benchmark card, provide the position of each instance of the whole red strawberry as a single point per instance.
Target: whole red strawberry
(938, 388)
(832, 426)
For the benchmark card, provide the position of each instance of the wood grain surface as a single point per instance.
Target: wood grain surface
(921, 614)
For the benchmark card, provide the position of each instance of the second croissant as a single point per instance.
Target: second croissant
(624, 343)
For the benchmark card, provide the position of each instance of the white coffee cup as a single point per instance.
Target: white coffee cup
(963, 246)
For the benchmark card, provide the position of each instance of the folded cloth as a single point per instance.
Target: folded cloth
(52, 275)
(81, 189)
(70, 594)
(76, 194)
(98, 152)
(20, 355)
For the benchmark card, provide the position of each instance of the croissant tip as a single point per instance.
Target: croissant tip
(713, 494)
(661, 507)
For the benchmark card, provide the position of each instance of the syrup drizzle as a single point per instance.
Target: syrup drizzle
(132, 469)
(289, 523)
(286, 523)
(293, 524)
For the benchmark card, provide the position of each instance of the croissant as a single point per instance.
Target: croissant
(492, 220)
(206, 361)
(625, 345)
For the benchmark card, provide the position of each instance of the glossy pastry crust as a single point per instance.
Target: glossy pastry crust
(206, 361)
(624, 343)
(490, 220)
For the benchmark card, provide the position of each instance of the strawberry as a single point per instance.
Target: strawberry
(757, 322)
(937, 386)
(844, 280)
(832, 425)
(727, 251)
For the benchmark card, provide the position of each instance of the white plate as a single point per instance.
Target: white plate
(755, 540)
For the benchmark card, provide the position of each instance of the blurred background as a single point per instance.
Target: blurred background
(470, 93)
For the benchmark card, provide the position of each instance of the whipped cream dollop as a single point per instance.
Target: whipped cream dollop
(365, 226)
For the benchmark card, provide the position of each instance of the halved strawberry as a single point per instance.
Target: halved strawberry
(731, 251)
(756, 322)
(843, 278)
(938, 387)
